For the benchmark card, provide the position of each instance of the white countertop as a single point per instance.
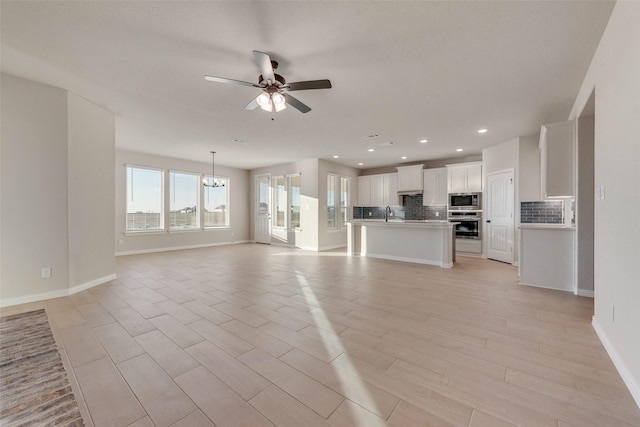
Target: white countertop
(560, 227)
(403, 223)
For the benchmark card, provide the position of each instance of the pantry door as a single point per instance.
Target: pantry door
(499, 216)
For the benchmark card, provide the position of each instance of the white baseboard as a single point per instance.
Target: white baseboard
(405, 259)
(585, 293)
(624, 372)
(57, 294)
(92, 283)
(179, 248)
(332, 247)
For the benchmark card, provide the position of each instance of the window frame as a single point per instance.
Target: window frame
(198, 180)
(340, 220)
(162, 213)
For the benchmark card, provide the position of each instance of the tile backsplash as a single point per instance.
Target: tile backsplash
(547, 212)
(412, 209)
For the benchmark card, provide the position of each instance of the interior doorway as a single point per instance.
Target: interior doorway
(499, 217)
(262, 222)
(585, 204)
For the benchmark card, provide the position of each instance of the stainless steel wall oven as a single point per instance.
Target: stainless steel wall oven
(469, 224)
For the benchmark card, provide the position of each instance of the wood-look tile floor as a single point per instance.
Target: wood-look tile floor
(253, 335)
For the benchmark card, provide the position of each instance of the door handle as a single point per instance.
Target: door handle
(488, 221)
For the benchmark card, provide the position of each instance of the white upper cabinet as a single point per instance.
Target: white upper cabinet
(378, 190)
(364, 191)
(410, 178)
(390, 189)
(435, 187)
(465, 177)
(557, 155)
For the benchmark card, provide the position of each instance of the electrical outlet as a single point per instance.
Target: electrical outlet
(602, 192)
(437, 213)
(46, 272)
(370, 213)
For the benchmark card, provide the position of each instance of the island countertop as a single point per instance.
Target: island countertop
(403, 222)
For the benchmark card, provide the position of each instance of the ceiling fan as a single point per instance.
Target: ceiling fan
(275, 87)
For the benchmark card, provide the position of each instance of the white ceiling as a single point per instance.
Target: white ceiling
(404, 70)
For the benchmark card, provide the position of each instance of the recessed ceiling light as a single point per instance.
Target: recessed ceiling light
(373, 135)
(459, 149)
(482, 130)
(371, 150)
(423, 141)
(360, 164)
(404, 157)
(336, 156)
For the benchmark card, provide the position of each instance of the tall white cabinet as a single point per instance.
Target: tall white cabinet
(465, 177)
(435, 187)
(557, 155)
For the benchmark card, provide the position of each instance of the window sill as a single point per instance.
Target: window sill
(143, 232)
(217, 228)
(184, 230)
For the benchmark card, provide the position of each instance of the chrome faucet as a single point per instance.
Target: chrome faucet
(387, 213)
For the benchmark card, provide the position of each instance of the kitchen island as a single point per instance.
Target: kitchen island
(424, 242)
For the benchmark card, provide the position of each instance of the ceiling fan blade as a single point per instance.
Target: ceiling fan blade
(264, 63)
(311, 84)
(296, 104)
(224, 80)
(253, 104)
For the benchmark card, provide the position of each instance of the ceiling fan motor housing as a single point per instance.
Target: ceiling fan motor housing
(278, 78)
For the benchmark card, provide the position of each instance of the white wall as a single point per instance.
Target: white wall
(48, 136)
(91, 191)
(238, 230)
(614, 75)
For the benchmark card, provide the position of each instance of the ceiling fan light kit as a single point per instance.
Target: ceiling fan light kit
(275, 87)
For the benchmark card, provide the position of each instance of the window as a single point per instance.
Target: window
(344, 200)
(332, 219)
(280, 202)
(294, 214)
(216, 203)
(183, 201)
(338, 195)
(286, 201)
(144, 199)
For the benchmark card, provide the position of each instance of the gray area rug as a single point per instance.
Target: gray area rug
(34, 388)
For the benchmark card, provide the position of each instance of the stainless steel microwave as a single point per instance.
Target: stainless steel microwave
(465, 201)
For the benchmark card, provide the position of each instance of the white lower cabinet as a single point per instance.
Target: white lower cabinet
(469, 246)
(547, 257)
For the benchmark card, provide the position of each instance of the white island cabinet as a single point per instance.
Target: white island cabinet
(423, 242)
